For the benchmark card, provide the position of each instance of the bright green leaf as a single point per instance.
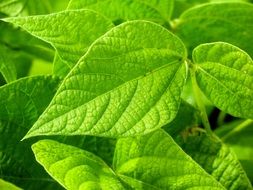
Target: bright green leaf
(157, 160)
(40, 67)
(74, 168)
(69, 32)
(134, 184)
(225, 75)
(128, 83)
(124, 10)
(4, 185)
(228, 22)
(218, 160)
(7, 67)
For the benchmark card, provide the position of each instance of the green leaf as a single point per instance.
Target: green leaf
(7, 67)
(224, 73)
(155, 159)
(31, 7)
(4, 185)
(33, 94)
(182, 5)
(118, 10)
(228, 22)
(238, 135)
(69, 32)
(40, 67)
(74, 168)
(60, 68)
(190, 119)
(22, 42)
(21, 104)
(128, 83)
(218, 1)
(218, 160)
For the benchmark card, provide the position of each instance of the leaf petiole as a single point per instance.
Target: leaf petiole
(199, 101)
(239, 127)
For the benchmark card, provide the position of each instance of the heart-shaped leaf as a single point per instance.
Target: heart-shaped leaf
(128, 83)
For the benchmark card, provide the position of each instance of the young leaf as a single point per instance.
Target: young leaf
(152, 10)
(218, 160)
(74, 168)
(69, 32)
(225, 75)
(228, 22)
(157, 160)
(128, 83)
(7, 67)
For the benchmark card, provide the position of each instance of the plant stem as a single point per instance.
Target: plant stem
(199, 101)
(221, 118)
(237, 128)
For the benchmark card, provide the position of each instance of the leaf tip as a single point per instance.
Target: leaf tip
(12, 20)
(24, 138)
(27, 136)
(9, 19)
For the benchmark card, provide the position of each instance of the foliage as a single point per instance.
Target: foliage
(126, 94)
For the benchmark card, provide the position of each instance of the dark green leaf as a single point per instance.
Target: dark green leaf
(20, 105)
(7, 67)
(228, 22)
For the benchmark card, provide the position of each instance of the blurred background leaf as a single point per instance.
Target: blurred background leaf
(31, 7)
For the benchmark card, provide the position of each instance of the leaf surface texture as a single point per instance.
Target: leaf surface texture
(69, 32)
(123, 10)
(218, 160)
(74, 168)
(225, 75)
(128, 83)
(157, 160)
(230, 22)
